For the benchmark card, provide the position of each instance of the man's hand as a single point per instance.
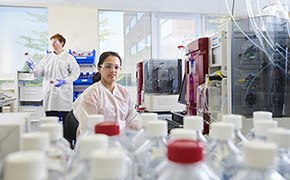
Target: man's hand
(60, 82)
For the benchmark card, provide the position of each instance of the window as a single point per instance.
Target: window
(118, 34)
(215, 23)
(127, 30)
(133, 50)
(141, 45)
(139, 16)
(148, 40)
(22, 30)
(133, 22)
(172, 30)
(166, 28)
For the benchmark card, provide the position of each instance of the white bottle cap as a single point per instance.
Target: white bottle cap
(280, 136)
(261, 127)
(93, 142)
(35, 141)
(193, 122)
(94, 119)
(55, 131)
(234, 119)
(222, 131)
(157, 128)
(180, 133)
(108, 164)
(259, 154)
(262, 115)
(48, 120)
(145, 117)
(25, 165)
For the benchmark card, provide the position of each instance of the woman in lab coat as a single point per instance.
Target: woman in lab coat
(59, 69)
(107, 97)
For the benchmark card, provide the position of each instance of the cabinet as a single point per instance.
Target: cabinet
(7, 92)
(29, 92)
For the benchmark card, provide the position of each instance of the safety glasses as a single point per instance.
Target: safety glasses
(110, 66)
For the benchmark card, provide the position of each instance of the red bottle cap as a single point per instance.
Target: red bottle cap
(185, 151)
(180, 46)
(110, 128)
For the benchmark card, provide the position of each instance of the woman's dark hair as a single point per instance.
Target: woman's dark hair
(104, 56)
(96, 77)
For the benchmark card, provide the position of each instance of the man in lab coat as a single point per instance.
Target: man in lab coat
(59, 69)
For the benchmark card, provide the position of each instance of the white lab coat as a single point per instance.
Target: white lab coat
(52, 67)
(116, 106)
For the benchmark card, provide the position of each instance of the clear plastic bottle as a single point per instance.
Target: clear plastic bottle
(281, 137)
(35, 141)
(258, 162)
(47, 120)
(141, 137)
(92, 120)
(222, 154)
(181, 133)
(109, 165)
(112, 129)
(59, 151)
(25, 165)
(151, 152)
(236, 120)
(185, 161)
(262, 127)
(259, 115)
(30, 61)
(80, 166)
(195, 123)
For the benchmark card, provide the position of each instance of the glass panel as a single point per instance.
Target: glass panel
(22, 30)
(176, 31)
(215, 23)
(130, 43)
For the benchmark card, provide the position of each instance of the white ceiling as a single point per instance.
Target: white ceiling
(178, 6)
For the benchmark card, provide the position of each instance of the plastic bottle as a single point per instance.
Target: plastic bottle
(259, 162)
(181, 133)
(112, 129)
(59, 151)
(151, 152)
(30, 60)
(35, 141)
(80, 165)
(222, 154)
(185, 161)
(281, 137)
(25, 165)
(195, 123)
(141, 137)
(108, 165)
(236, 120)
(92, 120)
(261, 128)
(49, 119)
(259, 115)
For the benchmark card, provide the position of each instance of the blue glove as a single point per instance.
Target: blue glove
(31, 65)
(60, 82)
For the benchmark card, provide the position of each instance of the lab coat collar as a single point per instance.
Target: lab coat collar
(114, 90)
(63, 51)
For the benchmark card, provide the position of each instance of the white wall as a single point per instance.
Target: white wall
(78, 25)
